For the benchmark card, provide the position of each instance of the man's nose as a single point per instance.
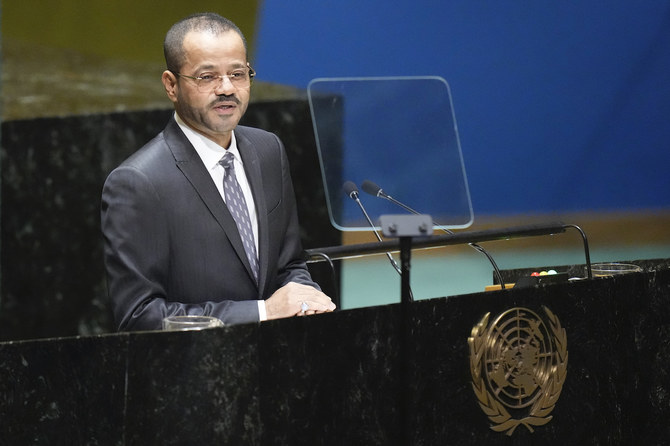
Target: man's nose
(224, 86)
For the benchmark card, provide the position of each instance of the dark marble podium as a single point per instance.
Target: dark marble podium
(345, 379)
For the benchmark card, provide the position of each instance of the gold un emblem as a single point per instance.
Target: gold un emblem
(518, 367)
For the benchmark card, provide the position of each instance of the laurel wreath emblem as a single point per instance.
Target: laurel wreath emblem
(539, 413)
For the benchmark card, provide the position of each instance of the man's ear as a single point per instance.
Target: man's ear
(170, 83)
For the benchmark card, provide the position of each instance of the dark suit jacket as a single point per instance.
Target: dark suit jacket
(171, 246)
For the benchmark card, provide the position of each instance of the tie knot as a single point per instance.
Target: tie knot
(227, 160)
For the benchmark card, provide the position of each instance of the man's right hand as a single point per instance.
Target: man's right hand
(288, 301)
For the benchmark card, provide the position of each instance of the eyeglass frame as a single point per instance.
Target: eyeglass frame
(251, 74)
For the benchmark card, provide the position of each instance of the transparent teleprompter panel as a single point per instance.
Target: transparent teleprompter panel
(397, 132)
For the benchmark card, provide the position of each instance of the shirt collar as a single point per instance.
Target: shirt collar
(209, 151)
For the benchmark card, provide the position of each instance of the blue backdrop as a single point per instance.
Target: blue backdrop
(561, 106)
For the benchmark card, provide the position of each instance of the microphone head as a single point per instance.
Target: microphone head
(351, 190)
(371, 188)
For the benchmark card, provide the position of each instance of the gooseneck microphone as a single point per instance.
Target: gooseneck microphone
(373, 189)
(352, 192)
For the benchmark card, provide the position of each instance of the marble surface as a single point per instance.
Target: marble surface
(53, 169)
(331, 379)
(193, 387)
(395, 374)
(66, 391)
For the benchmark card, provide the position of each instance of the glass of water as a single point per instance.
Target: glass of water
(188, 322)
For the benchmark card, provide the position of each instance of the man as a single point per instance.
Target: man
(171, 212)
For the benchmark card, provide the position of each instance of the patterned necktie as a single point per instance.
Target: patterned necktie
(237, 206)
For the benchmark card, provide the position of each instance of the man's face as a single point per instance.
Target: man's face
(213, 111)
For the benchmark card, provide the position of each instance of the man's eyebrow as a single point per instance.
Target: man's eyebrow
(205, 67)
(232, 66)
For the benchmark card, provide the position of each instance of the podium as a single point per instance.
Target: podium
(343, 378)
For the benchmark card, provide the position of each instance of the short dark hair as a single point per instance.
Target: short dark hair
(173, 46)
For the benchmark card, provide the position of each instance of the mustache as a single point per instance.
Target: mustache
(226, 98)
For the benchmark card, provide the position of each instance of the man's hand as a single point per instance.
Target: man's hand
(295, 299)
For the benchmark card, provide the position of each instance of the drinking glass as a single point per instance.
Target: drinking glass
(188, 322)
(613, 269)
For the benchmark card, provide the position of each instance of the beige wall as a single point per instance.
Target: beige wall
(121, 29)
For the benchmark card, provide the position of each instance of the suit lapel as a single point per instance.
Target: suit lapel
(252, 169)
(190, 164)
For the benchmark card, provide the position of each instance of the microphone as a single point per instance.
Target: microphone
(352, 192)
(374, 189)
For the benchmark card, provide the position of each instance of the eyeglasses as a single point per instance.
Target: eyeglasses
(210, 81)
